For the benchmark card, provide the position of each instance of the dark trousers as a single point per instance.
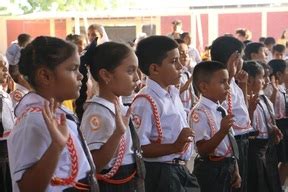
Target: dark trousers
(282, 147)
(5, 178)
(243, 146)
(164, 177)
(123, 172)
(214, 175)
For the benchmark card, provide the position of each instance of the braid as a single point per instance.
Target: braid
(83, 92)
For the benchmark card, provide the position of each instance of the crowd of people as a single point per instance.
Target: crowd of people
(106, 116)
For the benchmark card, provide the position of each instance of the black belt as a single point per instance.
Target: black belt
(177, 161)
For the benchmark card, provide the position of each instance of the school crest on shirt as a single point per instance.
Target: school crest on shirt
(195, 117)
(17, 95)
(95, 122)
(136, 119)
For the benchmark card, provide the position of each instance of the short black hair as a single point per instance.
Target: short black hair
(279, 48)
(223, 47)
(277, 65)
(183, 35)
(23, 39)
(253, 47)
(179, 41)
(203, 72)
(153, 49)
(269, 41)
(253, 68)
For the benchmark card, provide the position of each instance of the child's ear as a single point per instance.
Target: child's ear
(105, 75)
(154, 69)
(43, 76)
(203, 87)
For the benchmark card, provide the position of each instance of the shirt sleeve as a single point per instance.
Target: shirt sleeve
(199, 122)
(142, 118)
(28, 144)
(97, 126)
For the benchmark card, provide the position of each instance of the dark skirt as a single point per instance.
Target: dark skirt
(282, 147)
(257, 180)
(5, 178)
(214, 175)
(165, 177)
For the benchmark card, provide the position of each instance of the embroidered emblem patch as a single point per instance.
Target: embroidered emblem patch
(17, 96)
(95, 122)
(195, 117)
(136, 119)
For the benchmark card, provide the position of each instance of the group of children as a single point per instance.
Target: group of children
(219, 108)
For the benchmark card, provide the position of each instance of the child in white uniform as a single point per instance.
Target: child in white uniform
(6, 125)
(216, 166)
(114, 67)
(45, 152)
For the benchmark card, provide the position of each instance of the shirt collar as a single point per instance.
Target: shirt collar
(208, 103)
(158, 90)
(33, 99)
(109, 105)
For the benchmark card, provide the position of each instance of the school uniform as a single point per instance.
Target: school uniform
(159, 117)
(18, 93)
(242, 129)
(30, 139)
(213, 171)
(281, 115)
(98, 124)
(262, 159)
(7, 123)
(188, 96)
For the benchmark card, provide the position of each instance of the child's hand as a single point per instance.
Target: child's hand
(236, 180)
(121, 121)
(278, 134)
(187, 84)
(226, 123)
(184, 137)
(232, 64)
(274, 83)
(253, 100)
(242, 76)
(58, 130)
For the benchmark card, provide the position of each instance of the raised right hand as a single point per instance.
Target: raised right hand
(58, 130)
(121, 121)
(226, 123)
(183, 138)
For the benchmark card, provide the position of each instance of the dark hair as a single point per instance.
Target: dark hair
(253, 47)
(23, 39)
(153, 49)
(253, 68)
(204, 71)
(269, 41)
(105, 56)
(261, 39)
(279, 48)
(179, 41)
(183, 35)
(277, 65)
(43, 51)
(223, 47)
(241, 32)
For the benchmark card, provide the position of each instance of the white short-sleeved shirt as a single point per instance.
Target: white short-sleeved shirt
(30, 139)
(239, 110)
(18, 93)
(173, 118)
(198, 119)
(98, 124)
(262, 117)
(7, 114)
(279, 105)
